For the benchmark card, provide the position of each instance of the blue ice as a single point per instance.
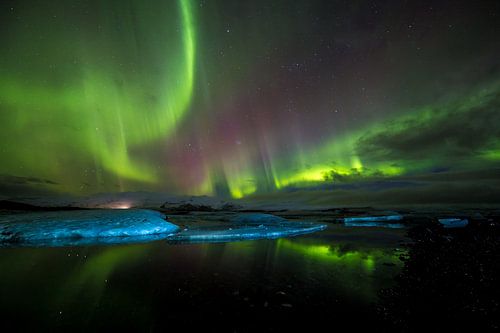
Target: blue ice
(374, 224)
(373, 218)
(64, 228)
(103, 227)
(453, 222)
(248, 227)
(374, 221)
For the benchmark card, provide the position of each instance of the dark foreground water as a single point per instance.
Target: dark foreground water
(331, 277)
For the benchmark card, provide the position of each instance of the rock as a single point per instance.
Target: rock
(187, 207)
(230, 207)
(199, 204)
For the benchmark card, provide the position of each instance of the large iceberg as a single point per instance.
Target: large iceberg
(81, 227)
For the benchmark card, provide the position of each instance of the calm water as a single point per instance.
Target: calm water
(331, 276)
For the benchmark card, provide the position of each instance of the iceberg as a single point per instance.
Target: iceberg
(453, 222)
(116, 226)
(384, 221)
(374, 224)
(373, 218)
(83, 227)
(247, 227)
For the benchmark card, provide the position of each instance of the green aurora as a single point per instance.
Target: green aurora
(97, 116)
(195, 98)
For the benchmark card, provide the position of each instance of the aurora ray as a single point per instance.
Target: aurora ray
(94, 119)
(195, 98)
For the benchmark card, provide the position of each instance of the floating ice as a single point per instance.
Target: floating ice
(96, 227)
(374, 221)
(453, 222)
(63, 228)
(374, 224)
(247, 227)
(373, 218)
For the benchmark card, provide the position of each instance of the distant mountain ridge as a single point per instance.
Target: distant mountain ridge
(14, 205)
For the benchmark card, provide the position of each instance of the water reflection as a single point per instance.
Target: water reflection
(129, 284)
(354, 269)
(91, 276)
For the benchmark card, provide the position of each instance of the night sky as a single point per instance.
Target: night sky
(250, 98)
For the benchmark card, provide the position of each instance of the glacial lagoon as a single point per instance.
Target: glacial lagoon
(332, 274)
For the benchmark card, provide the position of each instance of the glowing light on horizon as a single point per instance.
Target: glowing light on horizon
(120, 205)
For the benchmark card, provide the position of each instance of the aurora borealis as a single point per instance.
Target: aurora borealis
(251, 98)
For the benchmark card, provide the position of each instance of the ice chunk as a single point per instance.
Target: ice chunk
(384, 221)
(373, 218)
(229, 234)
(374, 224)
(247, 227)
(85, 227)
(61, 228)
(453, 222)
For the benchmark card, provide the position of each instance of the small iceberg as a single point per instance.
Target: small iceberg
(83, 227)
(247, 227)
(453, 222)
(374, 224)
(373, 218)
(384, 221)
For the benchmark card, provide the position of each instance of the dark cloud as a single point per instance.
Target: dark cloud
(448, 134)
(445, 187)
(355, 175)
(479, 175)
(394, 193)
(17, 186)
(18, 180)
(374, 182)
